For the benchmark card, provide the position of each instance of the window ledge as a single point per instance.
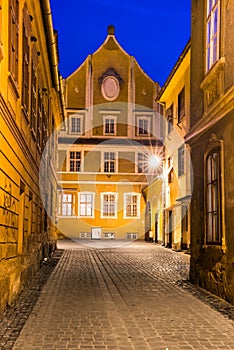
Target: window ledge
(14, 85)
(213, 246)
(211, 74)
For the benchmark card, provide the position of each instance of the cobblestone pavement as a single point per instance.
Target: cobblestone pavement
(124, 297)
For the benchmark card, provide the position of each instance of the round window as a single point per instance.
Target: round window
(110, 88)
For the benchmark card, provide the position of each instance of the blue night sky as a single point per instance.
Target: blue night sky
(154, 32)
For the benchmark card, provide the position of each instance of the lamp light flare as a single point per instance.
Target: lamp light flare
(153, 161)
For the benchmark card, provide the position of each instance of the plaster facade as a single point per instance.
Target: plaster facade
(30, 109)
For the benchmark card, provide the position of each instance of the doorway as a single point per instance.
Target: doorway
(170, 228)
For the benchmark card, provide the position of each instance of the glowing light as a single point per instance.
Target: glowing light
(153, 161)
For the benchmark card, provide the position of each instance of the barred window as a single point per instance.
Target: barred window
(213, 198)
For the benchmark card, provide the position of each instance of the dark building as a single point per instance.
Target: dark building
(212, 152)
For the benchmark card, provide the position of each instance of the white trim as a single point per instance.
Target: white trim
(68, 161)
(128, 183)
(109, 117)
(92, 204)
(116, 155)
(149, 126)
(61, 202)
(76, 116)
(138, 205)
(116, 205)
(109, 111)
(104, 89)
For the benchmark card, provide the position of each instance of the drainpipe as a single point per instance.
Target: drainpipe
(51, 42)
(62, 98)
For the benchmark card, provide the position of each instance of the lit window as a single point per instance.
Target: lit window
(109, 126)
(170, 119)
(86, 207)
(75, 161)
(141, 162)
(109, 205)
(131, 205)
(13, 38)
(65, 205)
(181, 161)
(213, 197)
(212, 33)
(109, 162)
(76, 124)
(181, 105)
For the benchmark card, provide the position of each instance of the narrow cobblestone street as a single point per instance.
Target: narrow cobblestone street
(124, 297)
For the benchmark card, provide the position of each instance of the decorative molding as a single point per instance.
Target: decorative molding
(212, 85)
(110, 72)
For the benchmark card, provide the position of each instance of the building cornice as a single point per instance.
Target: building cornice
(212, 117)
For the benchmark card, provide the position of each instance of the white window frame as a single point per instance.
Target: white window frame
(105, 160)
(126, 195)
(108, 118)
(76, 116)
(144, 119)
(115, 204)
(143, 162)
(69, 161)
(181, 160)
(212, 37)
(65, 204)
(92, 194)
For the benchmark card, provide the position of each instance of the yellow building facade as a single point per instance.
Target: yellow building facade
(105, 146)
(177, 173)
(30, 109)
(211, 140)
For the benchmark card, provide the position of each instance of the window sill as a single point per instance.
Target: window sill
(109, 217)
(215, 246)
(212, 73)
(1, 52)
(131, 217)
(14, 85)
(25, 113)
